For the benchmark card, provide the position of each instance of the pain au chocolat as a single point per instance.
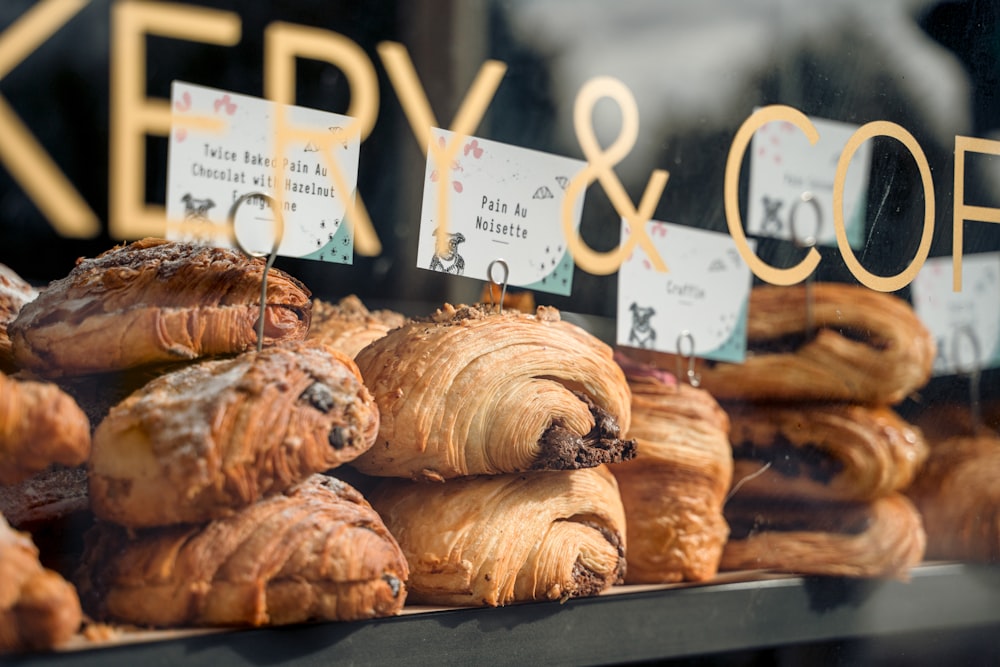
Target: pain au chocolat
(208, 439)
(318, 551)
(674, 489)
(472, 391)
(822, 451)
(863, 346)
(155, 301)
(494, 540)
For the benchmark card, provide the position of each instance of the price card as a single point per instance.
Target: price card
(784, 166)
(704, 293)
(966, 324)
(504, 202)
(209, 171)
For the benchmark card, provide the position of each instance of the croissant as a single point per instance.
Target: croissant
(881, 538)
(865, 347)
(500, 539)
(14, 293)
(469, 392)
(834, 451)
(348, 325)
(38, 608)
(205, 440)
(958, 496)
(316, 552)
(39, 425)
(155, 301)
(674, 488)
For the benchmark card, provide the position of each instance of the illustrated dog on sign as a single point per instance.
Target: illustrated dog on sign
(449, 261)
(641, 333)
(196, 209)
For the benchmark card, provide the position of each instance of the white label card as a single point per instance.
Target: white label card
(966, 324)
(504, 202)
(784, 166)
(704, 293)
(209, 171)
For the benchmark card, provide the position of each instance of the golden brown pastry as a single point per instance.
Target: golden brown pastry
(348, 325)
(155, 301)
(866, 347)
(39, 425)
(316, 552)
(500, 539)
(883, 538)
(470, 391)
(822, 451)
(205, 440)
(54, 493)
(38, 608)
(14, 293)
(674, 489)
(958, 494)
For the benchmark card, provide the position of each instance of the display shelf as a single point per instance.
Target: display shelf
(631, 624)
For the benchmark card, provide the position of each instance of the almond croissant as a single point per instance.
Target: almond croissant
(205, 440)
(155, 301)
(316, 552)
(498, 539)
(470, 392)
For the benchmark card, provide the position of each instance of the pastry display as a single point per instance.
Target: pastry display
(864, 346)
(673, 490)
(155, 301)
(38, 608)
(315, 552)
(473, 391)
(500, 539)
(40, 425)
(823, 451)
(958, 494)
(14, 293)
(882, 538)
(205, 440)
(348, 325)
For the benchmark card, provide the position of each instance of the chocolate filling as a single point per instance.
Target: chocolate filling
(562, 449)
(586, 582)
(791, 460)
(840, 519)
(791, 342)
(337, 438)
(394, 584)
(319, 396)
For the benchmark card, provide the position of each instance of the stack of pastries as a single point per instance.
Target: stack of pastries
(204, 479)
(675, 487)
(495, 431)
(820, 456)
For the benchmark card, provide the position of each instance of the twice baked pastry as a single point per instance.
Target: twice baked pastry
(822, 451)
(211, 438)
(318, 551)
(883, 538)
(864, 347)
(155, 301)
(348, 325)
(39, 425)
(674, 488)
(958, 495)
(38, 608)
(500, 539)
(14, 293)
(52, 494)
(472, 391)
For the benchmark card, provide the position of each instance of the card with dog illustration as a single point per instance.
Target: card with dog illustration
(790, 194)
(965, 324)
(697, 307)
(225, 170)
(501, 202)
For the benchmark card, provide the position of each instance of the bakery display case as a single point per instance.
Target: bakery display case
(736, 275)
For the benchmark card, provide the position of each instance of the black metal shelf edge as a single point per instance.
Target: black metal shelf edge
(630, 627)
